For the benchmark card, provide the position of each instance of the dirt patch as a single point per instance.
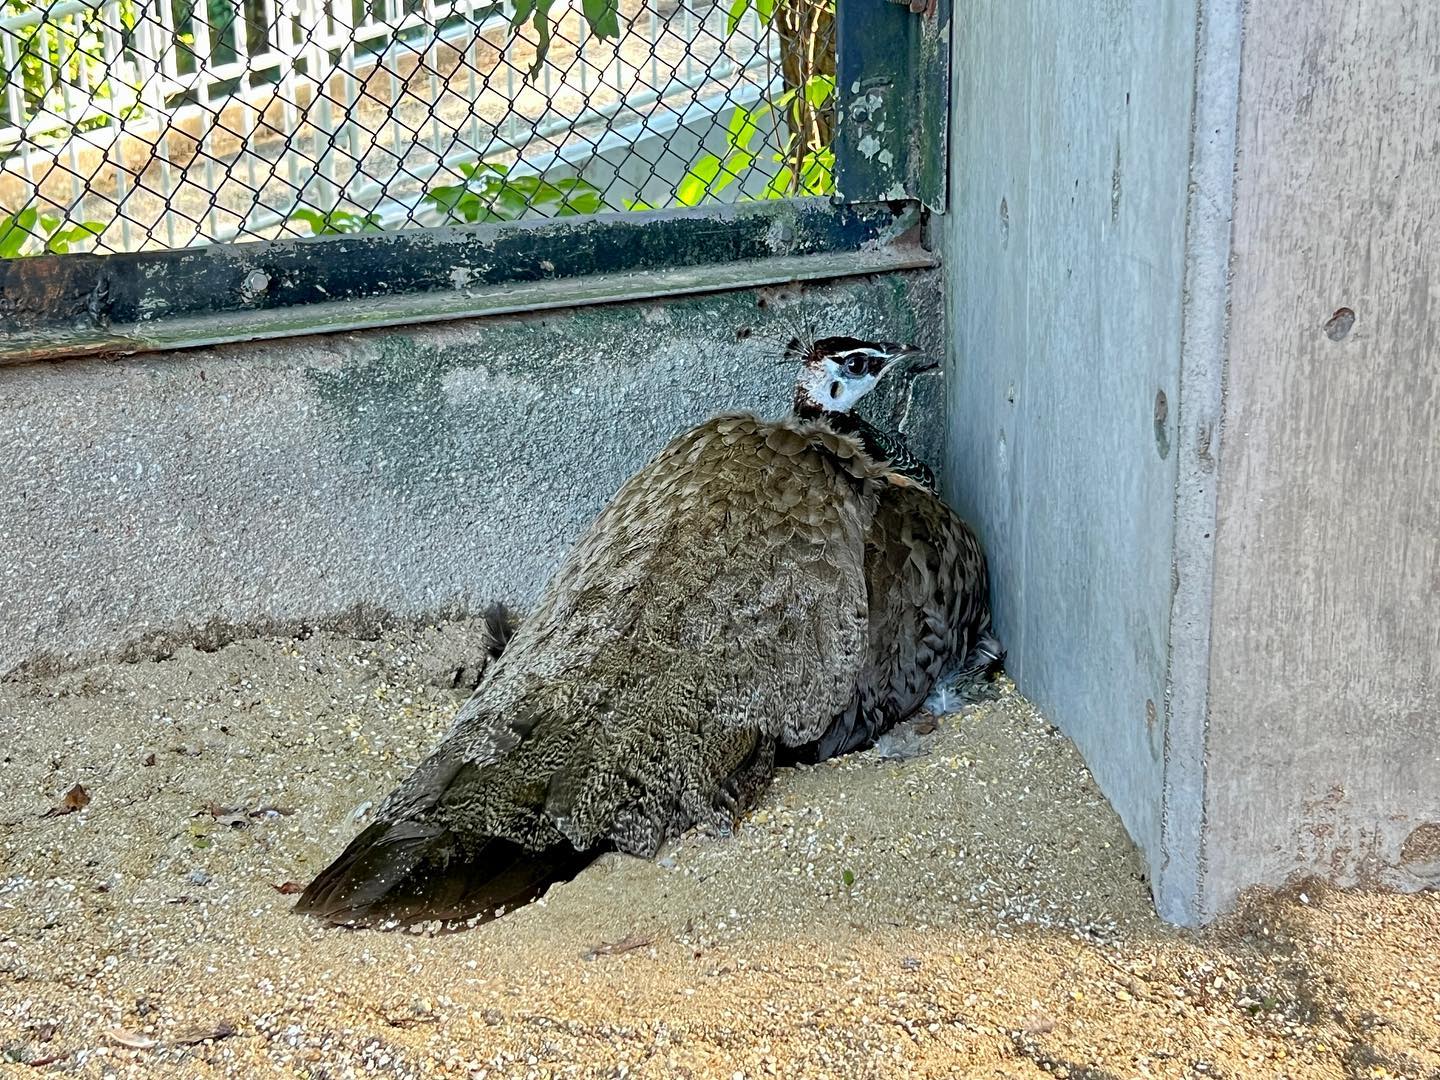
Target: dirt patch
(974, 909)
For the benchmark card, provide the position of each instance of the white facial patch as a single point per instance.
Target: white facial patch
(832, 388)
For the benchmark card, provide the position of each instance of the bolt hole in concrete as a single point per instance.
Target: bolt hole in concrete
(1339, 325)
(1162, 431)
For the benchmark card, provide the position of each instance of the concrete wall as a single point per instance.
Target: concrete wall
(357, 477)
(1324, 745)
(1065, 249)
(1231, 598)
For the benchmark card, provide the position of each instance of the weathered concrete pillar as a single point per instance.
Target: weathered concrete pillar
(1195, 412)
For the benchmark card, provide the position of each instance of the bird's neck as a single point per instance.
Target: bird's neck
(876, 443)
(807, 408)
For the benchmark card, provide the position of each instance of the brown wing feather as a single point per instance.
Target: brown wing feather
(717, 604)
(730, 567)
(722, 588)
(928, 604)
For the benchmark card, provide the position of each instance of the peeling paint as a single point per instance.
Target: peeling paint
(892, 137)
(866, 115)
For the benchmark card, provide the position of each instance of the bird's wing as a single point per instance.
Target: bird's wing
(928, 590)
(723, 587)
(928, 601)
(727, 573)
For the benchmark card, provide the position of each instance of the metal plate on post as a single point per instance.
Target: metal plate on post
(893, 84)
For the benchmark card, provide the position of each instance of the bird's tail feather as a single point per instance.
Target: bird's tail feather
(853, 730)
(986, 659)
(973, 682)
(403, 872)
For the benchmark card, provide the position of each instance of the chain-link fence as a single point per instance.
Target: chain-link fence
(128, 125)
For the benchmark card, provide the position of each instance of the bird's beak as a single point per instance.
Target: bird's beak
(898, 354)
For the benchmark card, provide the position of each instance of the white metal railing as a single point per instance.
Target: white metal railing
(169, 123)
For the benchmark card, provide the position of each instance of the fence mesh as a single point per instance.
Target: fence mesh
(128, 125)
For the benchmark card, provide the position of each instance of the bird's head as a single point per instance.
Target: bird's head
(836, 372)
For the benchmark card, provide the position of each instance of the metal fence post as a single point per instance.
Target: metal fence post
(893, 83)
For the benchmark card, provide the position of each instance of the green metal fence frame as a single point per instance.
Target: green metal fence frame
(892, 79)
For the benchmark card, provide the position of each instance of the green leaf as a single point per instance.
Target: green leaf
(696, 184)
(446, 198)
(766, 10)
(603, 17)
(848, 877)
(742, 127)
(636, 204)
(539, 193)
(541, 23)
(734, 165)
(523, 9)
(512, 198)
(817, 173)
(15, 230)
(779, 186)
(473, 207)
(477, 210)
(338, 222)
(61, 239)
(819, 89)
(578, 197)
(737, 12)
(307, 217)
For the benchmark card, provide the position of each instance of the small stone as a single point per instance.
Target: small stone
(198, 877)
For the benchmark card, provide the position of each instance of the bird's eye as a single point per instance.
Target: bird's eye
(855, 365)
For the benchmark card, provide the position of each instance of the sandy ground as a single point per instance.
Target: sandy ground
(973, 910)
